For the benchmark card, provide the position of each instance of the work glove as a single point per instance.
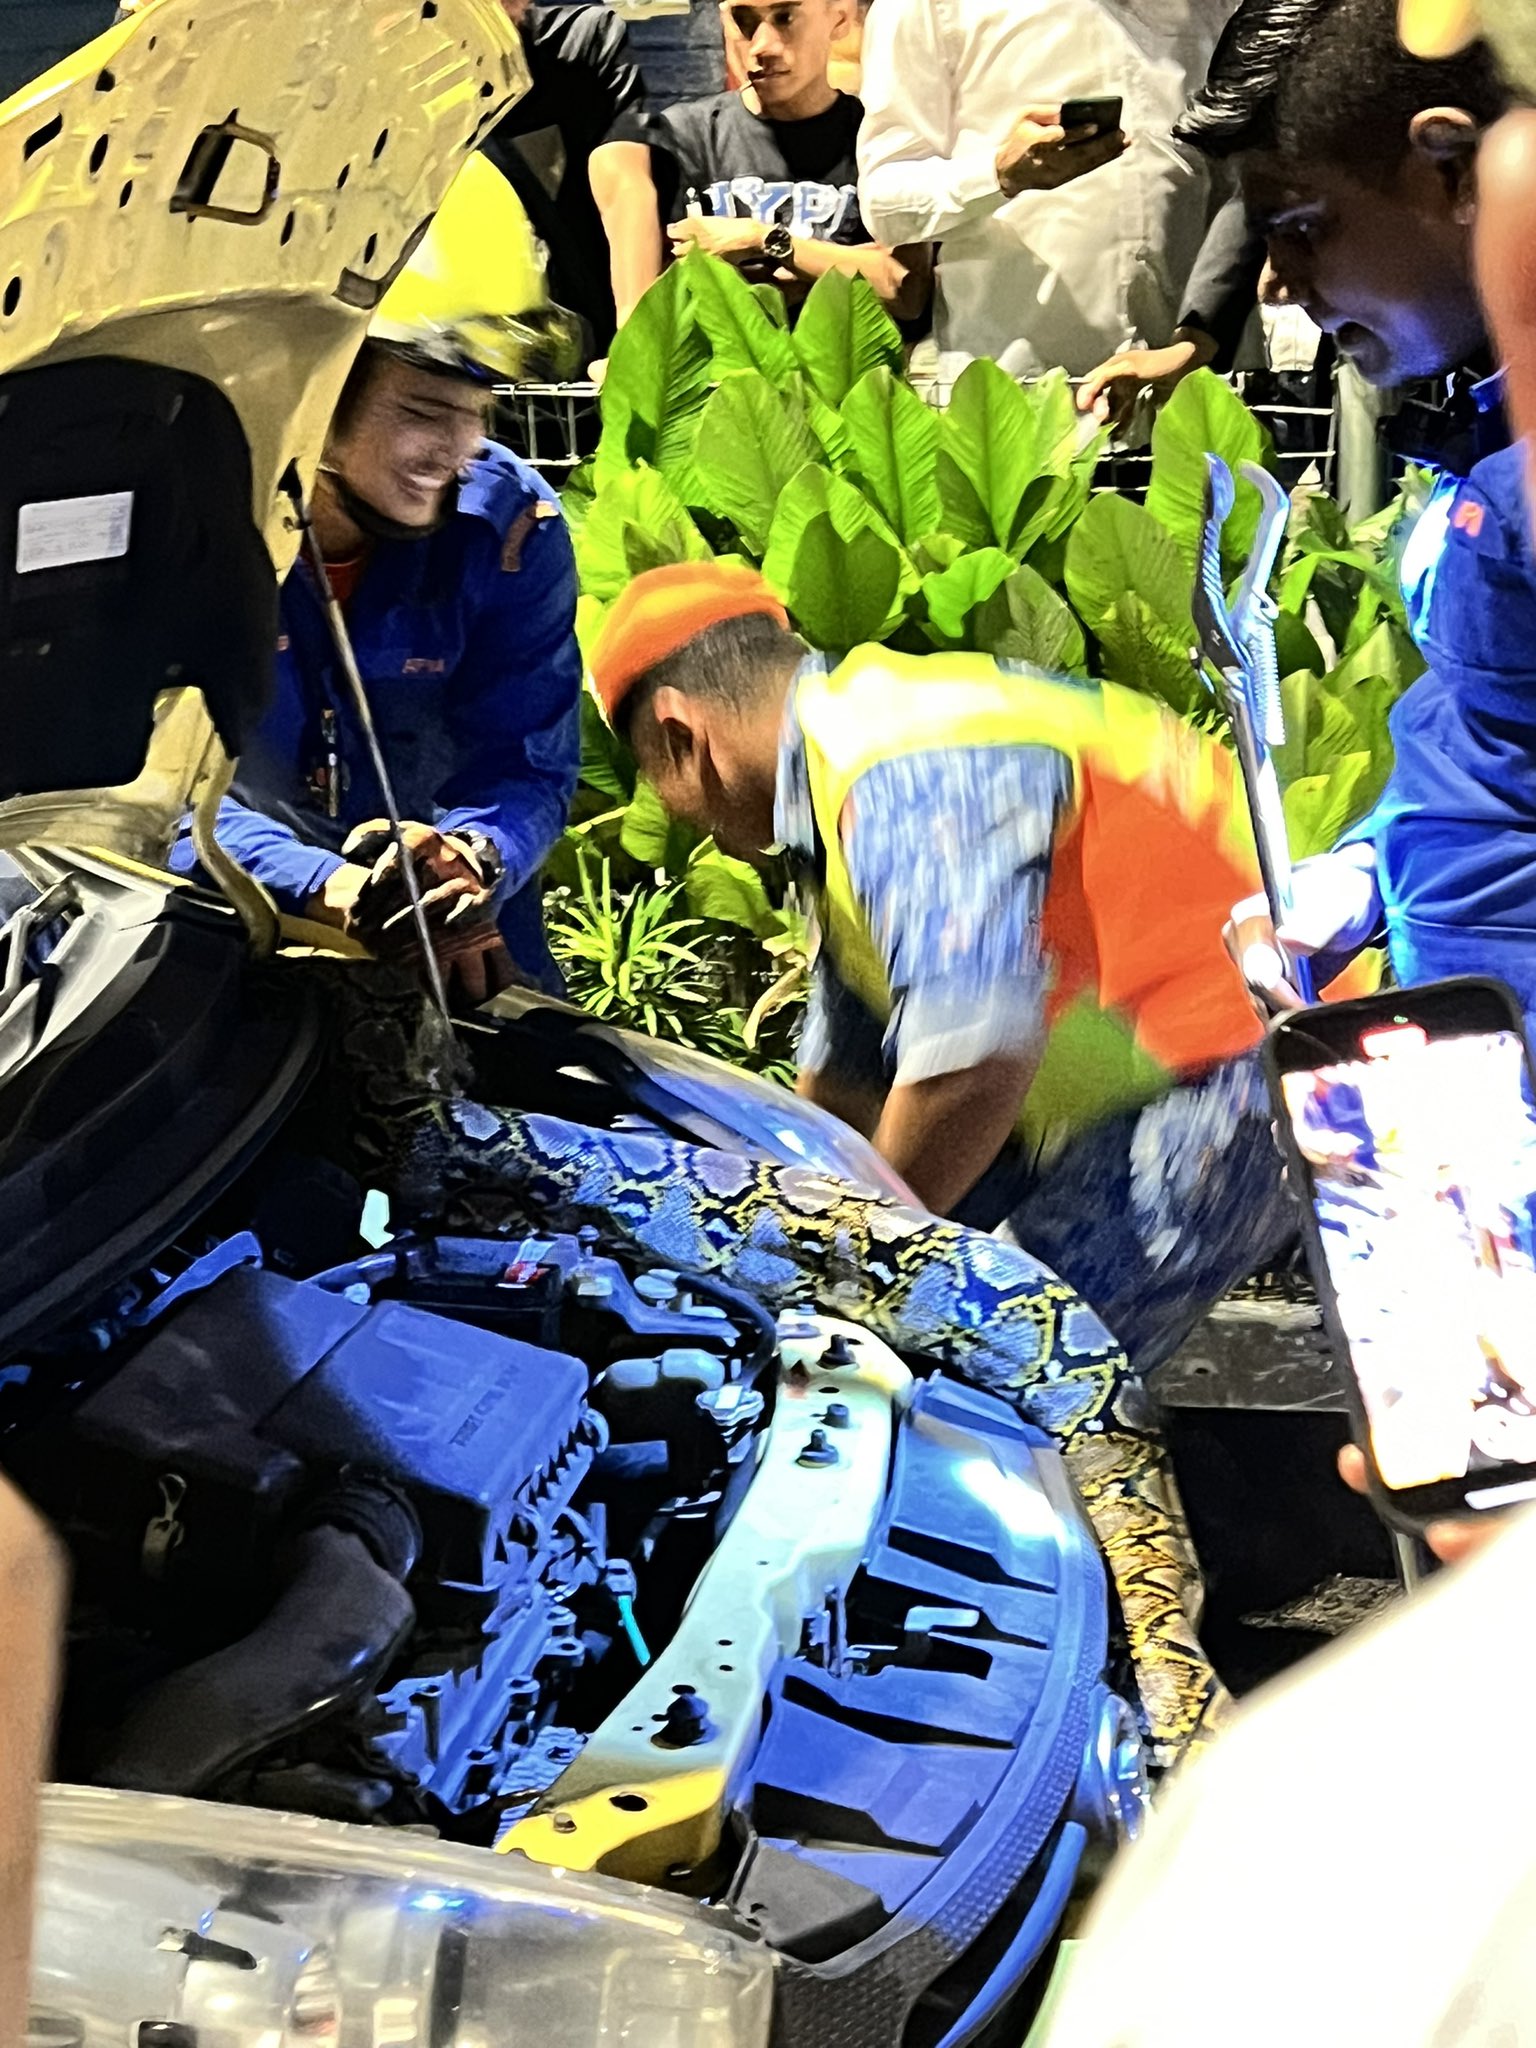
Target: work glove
(458, 875)
(1335, 910)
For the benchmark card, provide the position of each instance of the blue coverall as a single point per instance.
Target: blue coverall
(1455, 830)
(467, 647)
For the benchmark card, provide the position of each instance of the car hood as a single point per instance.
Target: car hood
(212, 201)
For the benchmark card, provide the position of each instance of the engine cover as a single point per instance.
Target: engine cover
(256, 1392)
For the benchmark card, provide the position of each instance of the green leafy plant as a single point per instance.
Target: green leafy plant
(700, 956)
(877, 518)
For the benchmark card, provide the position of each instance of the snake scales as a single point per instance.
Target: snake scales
(398, 1105)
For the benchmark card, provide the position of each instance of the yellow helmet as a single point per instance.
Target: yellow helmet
(473, 295)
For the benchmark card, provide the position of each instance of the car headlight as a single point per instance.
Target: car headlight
(168, 1923)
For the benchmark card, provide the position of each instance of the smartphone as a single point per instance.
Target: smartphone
(1101, 114)
(1408, 1123)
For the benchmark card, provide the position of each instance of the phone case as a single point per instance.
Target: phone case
(1298, 1171)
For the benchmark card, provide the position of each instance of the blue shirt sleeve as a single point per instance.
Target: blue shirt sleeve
(949, 853)
(515, 710)
(291, 869)
(1453, 830)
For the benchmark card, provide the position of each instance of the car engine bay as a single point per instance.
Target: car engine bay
(511, 1542)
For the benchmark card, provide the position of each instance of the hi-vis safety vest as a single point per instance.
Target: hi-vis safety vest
(1148, 860)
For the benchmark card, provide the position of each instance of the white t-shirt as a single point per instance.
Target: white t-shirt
(1354, 1864)
(1050, 277)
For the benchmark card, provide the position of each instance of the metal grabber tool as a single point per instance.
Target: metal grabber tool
(1237, 641)
(341, 641)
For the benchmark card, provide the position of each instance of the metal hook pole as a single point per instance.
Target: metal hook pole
(341, 639)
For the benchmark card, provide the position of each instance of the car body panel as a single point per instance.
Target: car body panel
(125, 238)
(635, 1802)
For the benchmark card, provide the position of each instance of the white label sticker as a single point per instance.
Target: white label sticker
(68, 530)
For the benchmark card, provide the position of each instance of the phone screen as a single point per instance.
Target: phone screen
(1101, 114)
(1420, 1150)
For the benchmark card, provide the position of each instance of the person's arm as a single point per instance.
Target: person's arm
(1506, 275)
(919, 180)
(914, 185)
(902, 278)
(515, 709)
(31, 1625)
(1335, 910)
(943, 1133)
(950, 856)
(1218, 304)
(1223, 288)
(619, 173)
(291, 869)
(842, 1062)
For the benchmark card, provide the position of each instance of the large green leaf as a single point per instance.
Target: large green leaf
(1205, 416)
(836, 563)
(1320, 808)
(827, 424)
(1025, 620)
(936, 551)
(895, 445)
(1006, 454)
(658, 379)
(653, 838)
(740, 332)
(1068, 500)
(1317, 519)
(590, 614)
(989, 604)
(729, 891)
(635, 523)
(771, 299)
(1320, 730)
(843, 330)
(576, 495)
(606, 763)
(1295, 645)
(1128, 584)
(752, 440)
(954, 593)
(1390, 653)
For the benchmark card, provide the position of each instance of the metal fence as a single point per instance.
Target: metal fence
(554, 426)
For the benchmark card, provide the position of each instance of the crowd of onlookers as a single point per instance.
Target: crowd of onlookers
(918, 143)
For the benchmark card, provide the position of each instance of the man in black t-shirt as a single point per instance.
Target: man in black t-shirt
(575, 151)
(766, 177)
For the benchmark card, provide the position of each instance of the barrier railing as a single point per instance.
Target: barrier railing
(554, 426)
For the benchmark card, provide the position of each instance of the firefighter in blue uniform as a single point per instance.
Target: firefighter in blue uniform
(1377, 148)
(456, 578)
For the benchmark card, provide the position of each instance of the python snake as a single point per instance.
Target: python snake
(981, 1307)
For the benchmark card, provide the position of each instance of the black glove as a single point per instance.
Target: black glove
(458, 875)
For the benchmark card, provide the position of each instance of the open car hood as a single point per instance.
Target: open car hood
(210, 201)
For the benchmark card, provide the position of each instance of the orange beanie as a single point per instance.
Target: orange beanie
(663, 610)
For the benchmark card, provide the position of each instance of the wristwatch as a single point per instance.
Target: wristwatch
(778, 244)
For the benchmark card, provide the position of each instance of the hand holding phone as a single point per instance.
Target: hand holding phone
(1102, 115)
(1043, 153)
(1409, 1124)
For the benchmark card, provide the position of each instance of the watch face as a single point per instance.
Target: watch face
(778, 243)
